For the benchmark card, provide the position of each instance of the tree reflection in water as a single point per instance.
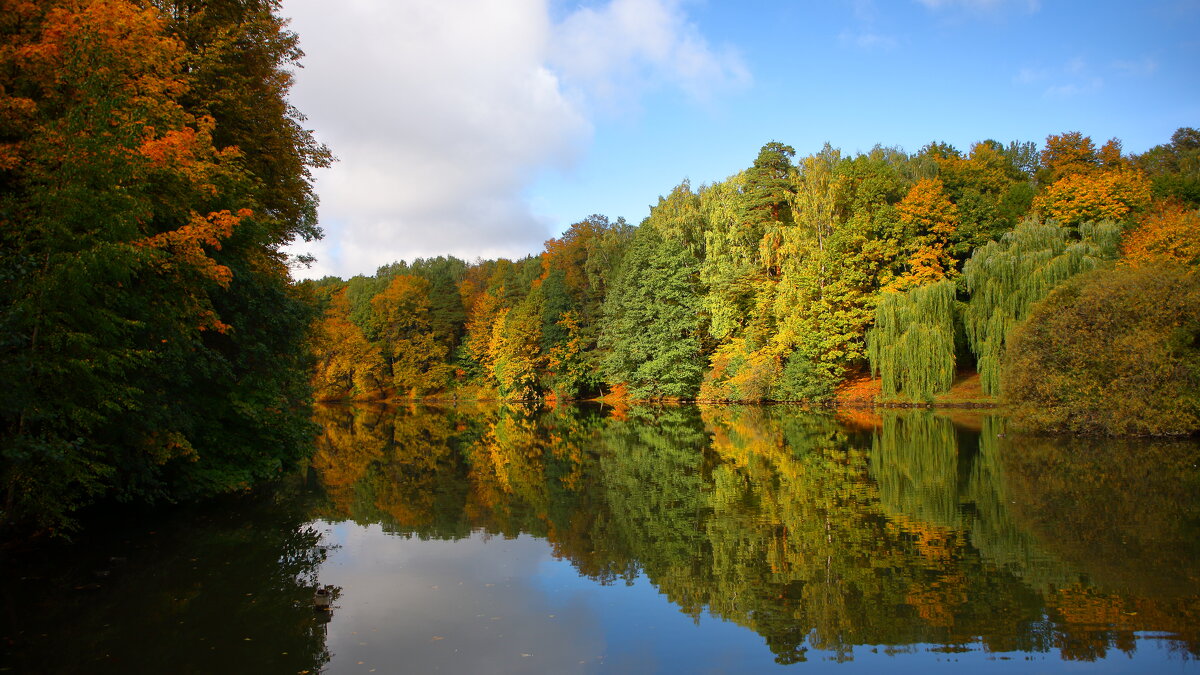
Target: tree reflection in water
(900, 530)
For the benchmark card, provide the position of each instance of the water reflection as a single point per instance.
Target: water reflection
(821, 537)
(673, 539)
(224, 588)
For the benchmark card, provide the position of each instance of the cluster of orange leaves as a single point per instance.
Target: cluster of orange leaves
(1168, 232)
(186, 248)
(934, 219)
(1109, 194)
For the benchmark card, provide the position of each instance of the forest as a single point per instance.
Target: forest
(1065, 276)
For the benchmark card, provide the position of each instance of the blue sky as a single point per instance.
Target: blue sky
(483, 127)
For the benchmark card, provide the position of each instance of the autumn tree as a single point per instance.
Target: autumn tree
(1065, 154)
(1168, 232)
(150, 319)
(932, 220)
(1113, 352)
(348, 366)
(401, 320)
(1112, 194)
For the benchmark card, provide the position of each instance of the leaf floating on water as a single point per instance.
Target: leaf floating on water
(438, 637)
(526, 655)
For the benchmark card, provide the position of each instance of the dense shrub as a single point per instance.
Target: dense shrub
(1115, 351)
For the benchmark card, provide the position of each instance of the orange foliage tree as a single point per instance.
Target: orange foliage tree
(1170, 231)
(1112, 194)
(348, 366)
(932, 220)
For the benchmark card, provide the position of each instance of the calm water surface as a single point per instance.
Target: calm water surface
(679, 539)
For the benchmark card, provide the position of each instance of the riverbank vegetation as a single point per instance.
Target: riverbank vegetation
(151, 169)
(796, 275)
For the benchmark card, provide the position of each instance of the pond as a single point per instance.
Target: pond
(508, 539)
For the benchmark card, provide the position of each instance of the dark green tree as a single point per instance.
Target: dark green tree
(651, 331)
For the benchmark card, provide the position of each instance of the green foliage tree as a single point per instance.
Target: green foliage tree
(652, 327)
(1007, 277)
(1174, 168)
(912, 343)
(152, 332)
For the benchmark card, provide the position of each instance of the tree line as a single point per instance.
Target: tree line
(152, 343)
(794, 274)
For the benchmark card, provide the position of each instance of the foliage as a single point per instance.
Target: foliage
(152, 338)
(651, 334)
(1174, 168)
(824, 540)
(1115, 351)
(1115, 194)
(932, 220)
(1007, 277)
(766, 285)
(1168, 232)
(912, 343)
(348, 365)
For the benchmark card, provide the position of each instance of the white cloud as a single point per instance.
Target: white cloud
(442, 113)
(868, 40)
(1073, 78)
(1144, 67)
(1070, 89)
(628, 45)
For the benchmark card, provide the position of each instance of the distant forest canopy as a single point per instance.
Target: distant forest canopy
(152, 345)
(783, 280)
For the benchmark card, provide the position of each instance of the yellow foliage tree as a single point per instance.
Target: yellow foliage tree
(348, 366)
(401, 317)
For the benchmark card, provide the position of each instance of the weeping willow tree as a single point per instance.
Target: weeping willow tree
(1005, 278)
(911, 346)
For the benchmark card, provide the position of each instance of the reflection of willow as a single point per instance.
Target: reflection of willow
(796, 539)
(993, 531)
(914, 460)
